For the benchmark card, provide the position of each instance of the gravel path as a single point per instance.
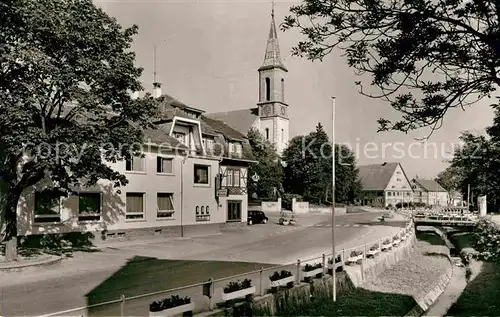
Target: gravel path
(415, 275)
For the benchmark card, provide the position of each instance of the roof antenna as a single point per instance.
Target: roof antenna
(154, 64)
(272, 11)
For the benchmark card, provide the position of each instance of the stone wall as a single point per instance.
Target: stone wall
(271, 206)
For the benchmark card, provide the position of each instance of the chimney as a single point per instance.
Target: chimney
(134, 95)
(156, 90)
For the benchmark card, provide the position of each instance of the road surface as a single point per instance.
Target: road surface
(60, 288)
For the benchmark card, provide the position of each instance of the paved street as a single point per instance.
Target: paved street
(60, 288)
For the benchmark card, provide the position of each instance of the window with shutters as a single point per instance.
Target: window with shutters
(165, 205)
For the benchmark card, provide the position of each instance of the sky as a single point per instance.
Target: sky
(208, 53)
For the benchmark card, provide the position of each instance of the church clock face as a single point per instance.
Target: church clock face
(266, 110)
(283, 111)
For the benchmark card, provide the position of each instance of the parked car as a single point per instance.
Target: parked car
(256, 216)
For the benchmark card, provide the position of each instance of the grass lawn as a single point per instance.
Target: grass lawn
(481, 296)
(142, 275)
(359, 302)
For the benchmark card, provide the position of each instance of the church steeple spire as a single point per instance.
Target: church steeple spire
(272, 58)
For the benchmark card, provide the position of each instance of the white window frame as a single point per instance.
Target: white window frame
(169, 214)
(180, 135)
(143, 213)
(229, 177)
(208, 175)
(90, 214)
(208, 143)
(132, 170)
(171, 159)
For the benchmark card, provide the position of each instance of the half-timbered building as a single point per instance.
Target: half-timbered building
(191, 181)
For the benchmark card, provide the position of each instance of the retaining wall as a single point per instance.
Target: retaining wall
(425, 301)
(369, 269)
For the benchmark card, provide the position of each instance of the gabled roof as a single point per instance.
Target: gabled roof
(429, 185)
(240, 120)
(220, 127)
(376, 176)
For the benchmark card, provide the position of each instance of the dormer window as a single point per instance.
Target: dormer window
(181, 137)
(208, 144)
(235, 147)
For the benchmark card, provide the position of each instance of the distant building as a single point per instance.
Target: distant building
(384, 185)
(270, 117)
(429, 191)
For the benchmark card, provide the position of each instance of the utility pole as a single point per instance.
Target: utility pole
(334, 282)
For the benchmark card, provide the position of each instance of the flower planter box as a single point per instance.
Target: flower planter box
(386, 247)
(373, 252)
(283, 281)
(238, 294)
(312, 273)
(174, 311)
(354, 259)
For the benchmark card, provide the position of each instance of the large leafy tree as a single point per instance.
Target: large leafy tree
(66, 74)
(448, 179)
(477, 164)
(268, 168)
(309, 169)
(425, 57)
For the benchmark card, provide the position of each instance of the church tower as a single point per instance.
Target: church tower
(273, 110)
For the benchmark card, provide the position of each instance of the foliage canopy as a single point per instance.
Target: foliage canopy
(426, 57)
(66, 74)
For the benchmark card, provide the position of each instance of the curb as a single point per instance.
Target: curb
(17, 267)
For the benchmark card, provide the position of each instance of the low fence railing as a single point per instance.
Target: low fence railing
(260, 280)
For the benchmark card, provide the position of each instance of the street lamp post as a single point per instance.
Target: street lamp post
(334, 281)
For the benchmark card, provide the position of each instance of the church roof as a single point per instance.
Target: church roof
(240, 120)
(376, 176)
(272, 58)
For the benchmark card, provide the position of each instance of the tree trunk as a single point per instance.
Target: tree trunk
(8, 222)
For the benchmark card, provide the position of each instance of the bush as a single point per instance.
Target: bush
(487, 238)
